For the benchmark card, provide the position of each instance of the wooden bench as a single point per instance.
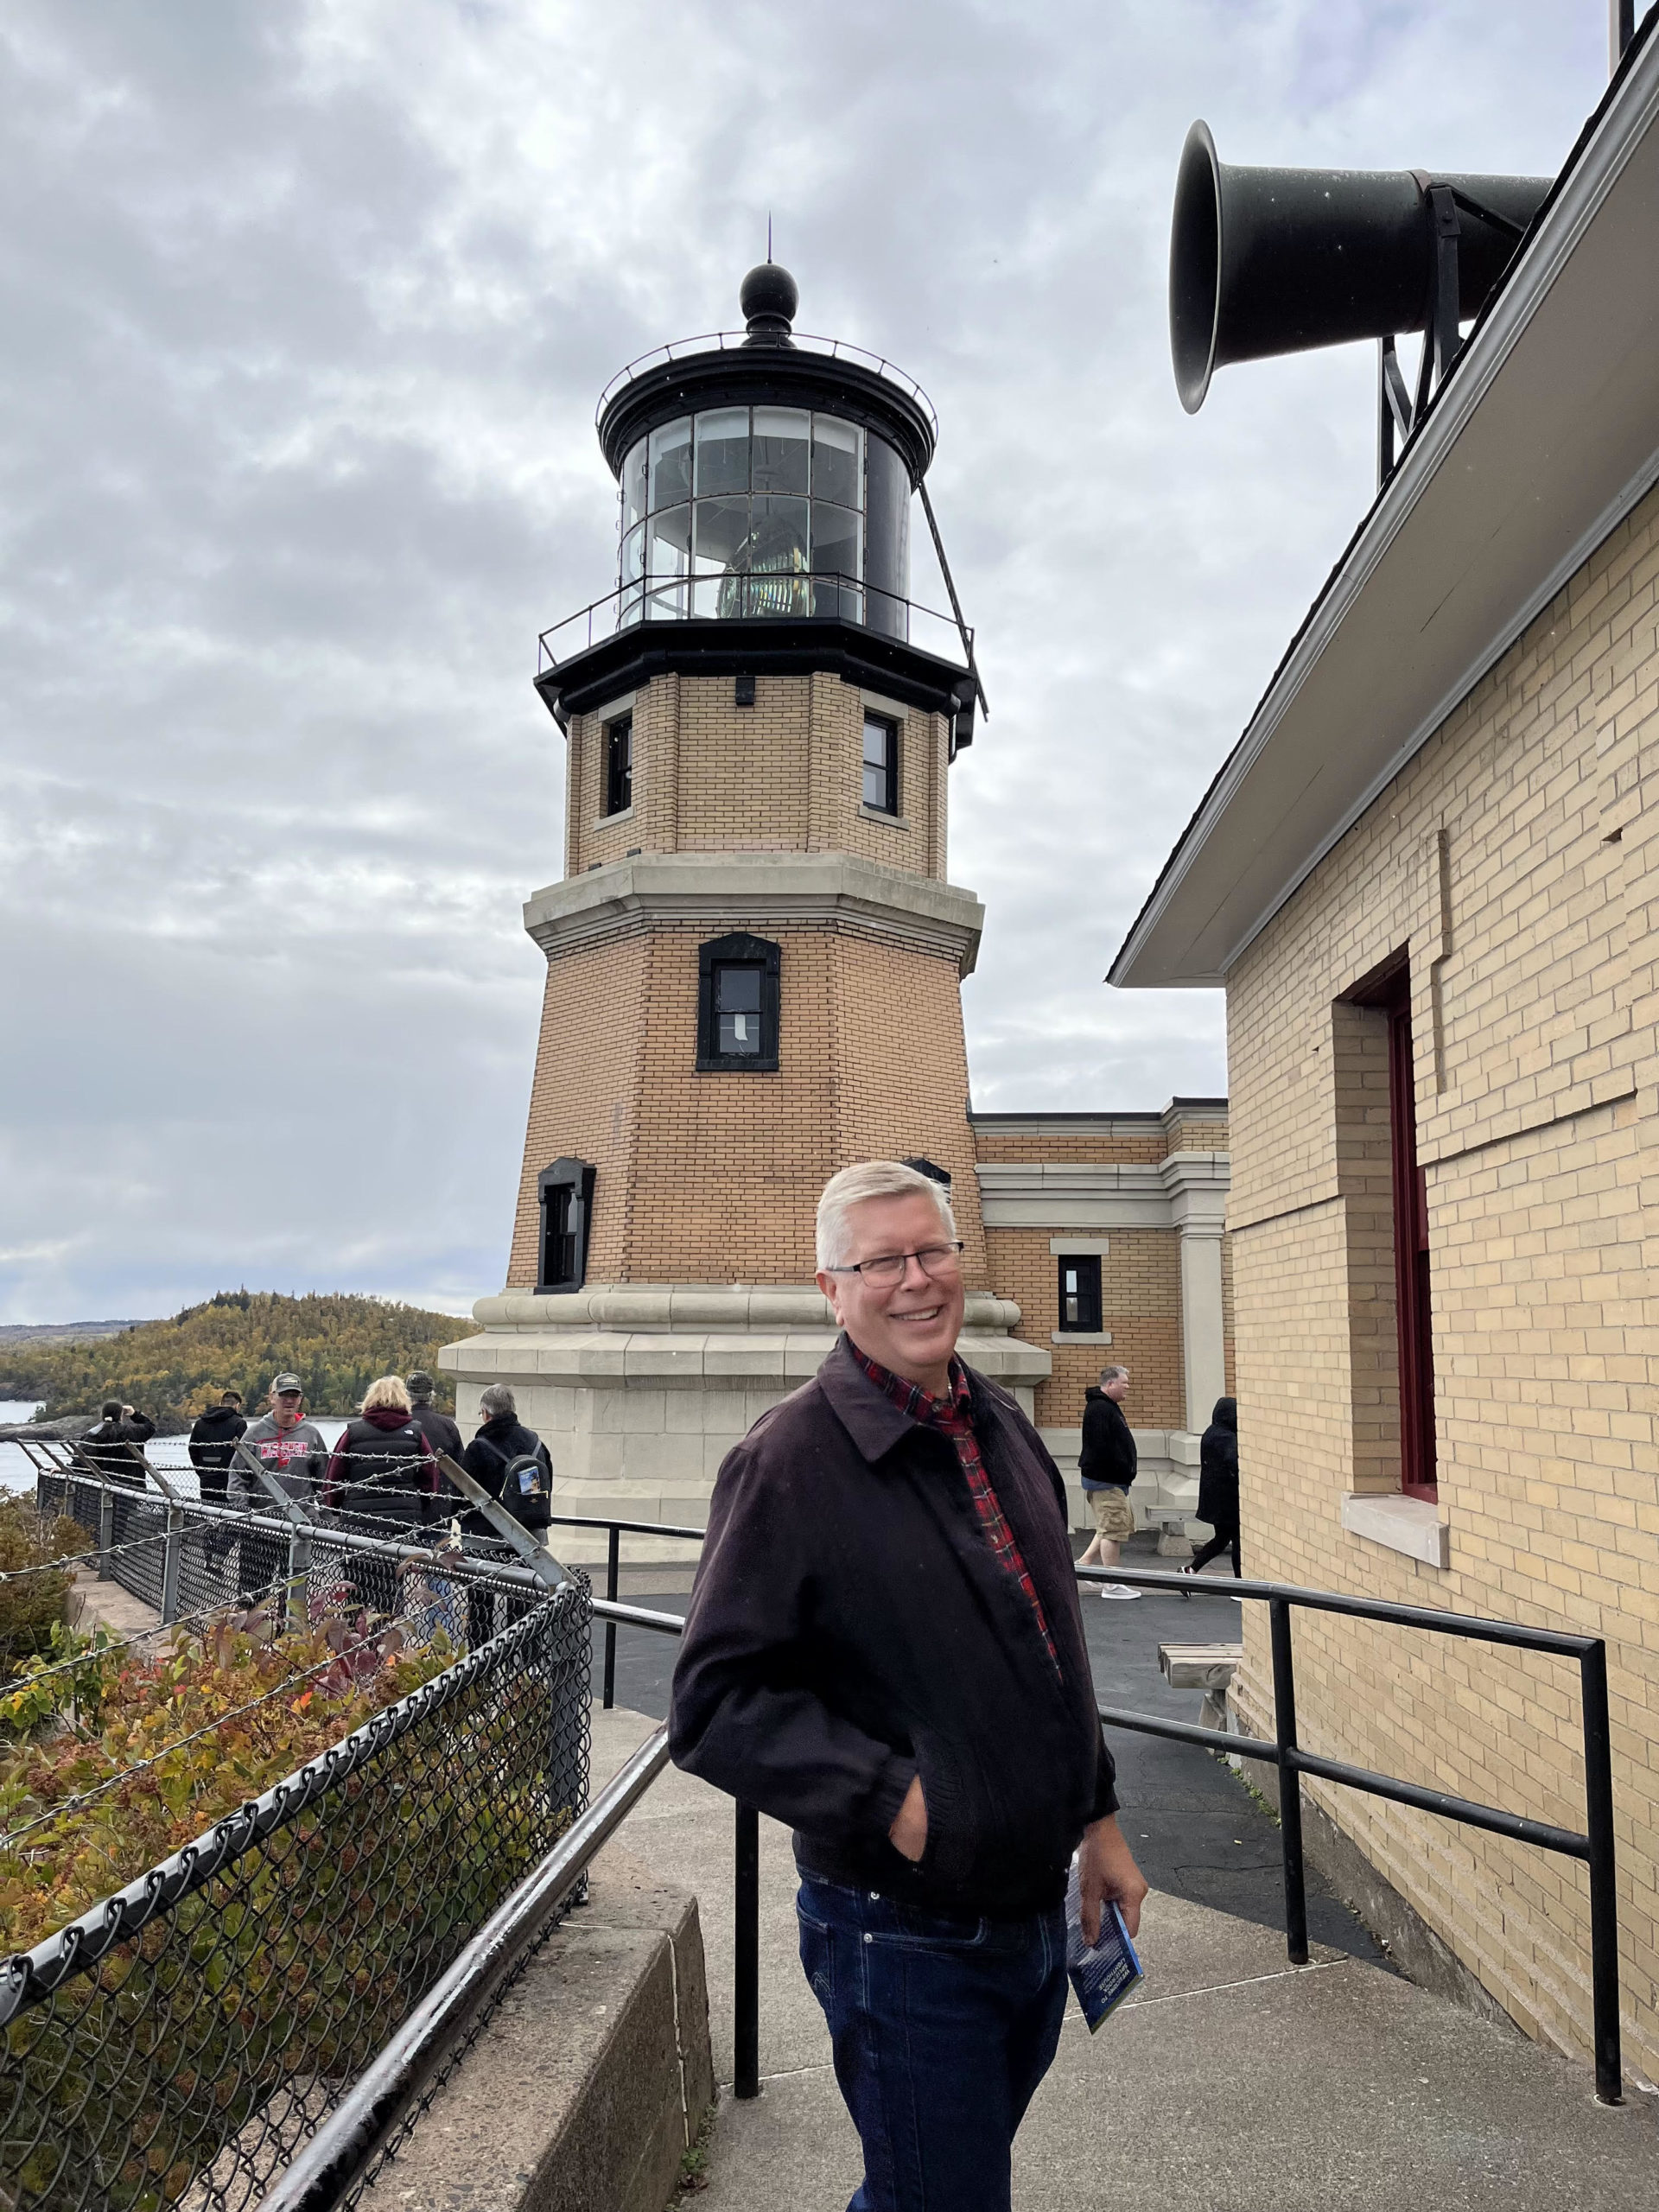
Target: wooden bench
(1206, 1667)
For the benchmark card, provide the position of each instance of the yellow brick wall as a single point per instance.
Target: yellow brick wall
(584, 1098)
(715, 1178)
(1513, 859)
(785, 775)
(1079, 1148)
(1141, 1301)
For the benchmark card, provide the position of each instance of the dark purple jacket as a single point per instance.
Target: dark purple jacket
(850, 1628)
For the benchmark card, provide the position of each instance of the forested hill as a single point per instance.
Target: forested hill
(239, 1340)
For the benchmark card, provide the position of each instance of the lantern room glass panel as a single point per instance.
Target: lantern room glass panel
(670, 463)
(722, 440)
(762, 511)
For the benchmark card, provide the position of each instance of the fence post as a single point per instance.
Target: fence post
(611, 1555)
(299, 1570)
(1290, 1782)
(1604, 1892)
(105, 1530)
(171, 1548)
(746, 1992)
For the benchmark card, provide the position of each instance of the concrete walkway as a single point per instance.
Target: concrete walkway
(1234, 2083)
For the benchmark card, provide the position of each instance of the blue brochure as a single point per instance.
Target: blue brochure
(1103, 1974)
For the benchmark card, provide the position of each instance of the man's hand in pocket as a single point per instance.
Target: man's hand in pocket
(908, 1835)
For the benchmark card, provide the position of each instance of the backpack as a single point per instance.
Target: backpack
(526, 1489)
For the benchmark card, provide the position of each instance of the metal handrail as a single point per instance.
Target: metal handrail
(803, 341)
(1594, 1844)
(651, 587)
(371, 2111)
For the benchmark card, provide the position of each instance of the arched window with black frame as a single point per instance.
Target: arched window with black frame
(566, 1194)
(737, 1004)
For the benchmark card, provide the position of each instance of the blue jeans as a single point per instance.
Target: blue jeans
(942, 2029)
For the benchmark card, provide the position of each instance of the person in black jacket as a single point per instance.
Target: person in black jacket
(211, 1447)
(1108, 1464)
(526, 1491)
(436, 1427)
(115, 1447)
(1218, 1485)
(384, 1481)
(885, 1649)
(513, 1464)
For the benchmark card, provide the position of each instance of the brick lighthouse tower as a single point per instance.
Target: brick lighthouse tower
(754, 956)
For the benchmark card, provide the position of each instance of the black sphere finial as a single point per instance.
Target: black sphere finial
(768, 296)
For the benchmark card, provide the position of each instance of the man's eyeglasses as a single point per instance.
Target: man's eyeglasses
(937, 1260)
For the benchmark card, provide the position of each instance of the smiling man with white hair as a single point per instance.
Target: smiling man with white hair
(885, 1649)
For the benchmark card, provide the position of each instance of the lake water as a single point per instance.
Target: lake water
(167, 1453)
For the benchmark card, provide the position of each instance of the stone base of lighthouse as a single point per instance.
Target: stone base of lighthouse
(640, 1390)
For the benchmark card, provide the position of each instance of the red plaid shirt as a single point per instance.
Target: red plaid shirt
(952, 1417)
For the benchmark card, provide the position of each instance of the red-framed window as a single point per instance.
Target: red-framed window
(1413, 1316)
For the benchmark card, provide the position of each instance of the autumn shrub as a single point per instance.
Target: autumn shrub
(34, 1604)
(250, 2000)
(174, 1740)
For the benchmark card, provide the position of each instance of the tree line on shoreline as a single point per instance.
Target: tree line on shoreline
(173, 1370)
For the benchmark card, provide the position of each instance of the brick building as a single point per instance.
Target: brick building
(754, 961)
(1426, 878)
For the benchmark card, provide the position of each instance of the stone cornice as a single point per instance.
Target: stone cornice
(639, 1307)
(1187, 1190)
(611, 1334)
(1196, 1182)
(755, 890)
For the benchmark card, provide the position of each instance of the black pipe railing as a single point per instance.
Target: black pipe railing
(815, 595)
(374, 2107)
(1594, 1845)
(613, 1564)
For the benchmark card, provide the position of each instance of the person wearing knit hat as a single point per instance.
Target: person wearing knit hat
(436, 1427)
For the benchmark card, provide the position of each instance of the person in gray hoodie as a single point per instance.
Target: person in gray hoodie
(290, 1448)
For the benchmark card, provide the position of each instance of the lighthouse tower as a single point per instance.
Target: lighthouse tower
(755, 954)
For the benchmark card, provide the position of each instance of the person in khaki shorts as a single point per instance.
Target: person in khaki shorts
(1106, 1465)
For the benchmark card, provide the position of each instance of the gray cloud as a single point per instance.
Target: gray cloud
(307, 311)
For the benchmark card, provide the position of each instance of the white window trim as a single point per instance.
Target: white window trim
(1079, 1248)
(880, 814)
(890, 707)
(604, 820)
(1410, 1525)
(1080, 1336)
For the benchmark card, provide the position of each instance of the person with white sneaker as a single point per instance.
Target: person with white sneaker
(1108, 1464)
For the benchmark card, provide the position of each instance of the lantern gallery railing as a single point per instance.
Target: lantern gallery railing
(800, 341)
(824, 595)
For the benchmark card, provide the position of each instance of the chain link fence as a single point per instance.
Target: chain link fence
(174, 2045)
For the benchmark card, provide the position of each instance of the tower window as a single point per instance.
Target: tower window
(1080, 1293)
(619, 765)
(566, 1194)
(882, 764)
(737, 1004)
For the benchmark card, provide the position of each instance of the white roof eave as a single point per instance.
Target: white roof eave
(1544, 438)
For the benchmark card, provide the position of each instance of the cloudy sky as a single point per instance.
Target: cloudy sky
(306, 310)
